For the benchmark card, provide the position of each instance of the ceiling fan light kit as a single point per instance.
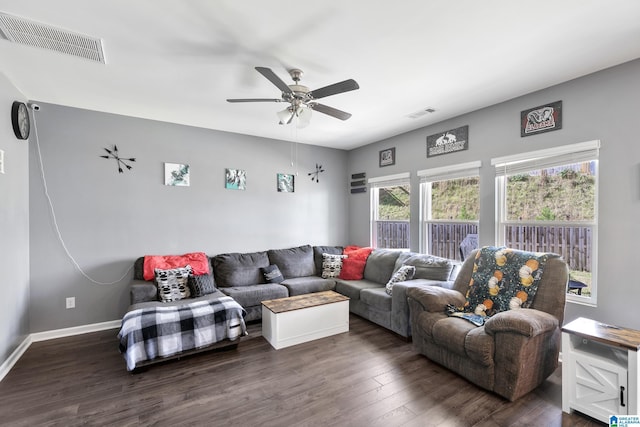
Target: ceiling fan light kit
(302, 100)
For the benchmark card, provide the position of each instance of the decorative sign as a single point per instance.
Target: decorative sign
(544, 118)
(358, 183)
(387, 157)
(448, 142)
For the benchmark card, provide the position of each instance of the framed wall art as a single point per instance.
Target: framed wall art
(176, 174)
(544, 118)
(235, 179)
(448, 141)
(286, 183)
(387, 157)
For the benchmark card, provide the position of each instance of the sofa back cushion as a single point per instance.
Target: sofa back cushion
(293, 262)
(427, 266)
(239, 269)
(380, 265)
(317, 255)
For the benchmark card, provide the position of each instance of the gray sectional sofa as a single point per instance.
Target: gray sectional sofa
(240, 276)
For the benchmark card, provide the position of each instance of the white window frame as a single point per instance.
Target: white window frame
(427, 176)
(542, 159)
(380, 182)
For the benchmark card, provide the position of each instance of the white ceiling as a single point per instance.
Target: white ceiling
(178, 61)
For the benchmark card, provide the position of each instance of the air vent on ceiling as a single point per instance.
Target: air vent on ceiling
(31, 33)
(421, 113)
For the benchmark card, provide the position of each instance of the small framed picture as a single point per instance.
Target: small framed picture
(176, 174)
(235, 179)
(388, 157)
(286, 183)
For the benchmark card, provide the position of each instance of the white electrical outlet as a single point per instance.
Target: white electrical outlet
(71, 302)
(1, 161)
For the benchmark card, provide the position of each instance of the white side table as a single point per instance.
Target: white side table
(600, 372)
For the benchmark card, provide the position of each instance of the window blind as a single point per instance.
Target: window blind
(462, 170)
(390, 180)
(543, 159)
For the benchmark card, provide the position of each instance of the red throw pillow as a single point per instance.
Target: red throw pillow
(197, 260)
(353, 265)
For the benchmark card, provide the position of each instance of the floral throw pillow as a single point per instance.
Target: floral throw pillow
(406, 272)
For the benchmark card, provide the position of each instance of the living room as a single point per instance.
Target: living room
(107, 219)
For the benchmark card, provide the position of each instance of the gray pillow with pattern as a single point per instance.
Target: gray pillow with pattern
(173, 284)
(405, 272)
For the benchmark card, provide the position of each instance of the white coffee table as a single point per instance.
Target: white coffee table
(301, 318)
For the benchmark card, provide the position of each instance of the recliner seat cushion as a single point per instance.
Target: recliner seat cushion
(464, 339)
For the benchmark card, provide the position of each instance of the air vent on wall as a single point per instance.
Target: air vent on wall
(421, 113)
(31, 33)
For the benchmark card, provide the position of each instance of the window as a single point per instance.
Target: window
(390, 206)
(547, 202)
(450, 209)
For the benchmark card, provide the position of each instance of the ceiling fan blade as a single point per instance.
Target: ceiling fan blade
(335, 88)
(333, 112)
(255, 100)
(271, 76)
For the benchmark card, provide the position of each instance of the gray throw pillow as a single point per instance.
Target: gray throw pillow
(272, 274)
(201, 285)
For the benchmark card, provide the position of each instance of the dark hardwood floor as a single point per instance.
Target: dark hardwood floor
(365, 377)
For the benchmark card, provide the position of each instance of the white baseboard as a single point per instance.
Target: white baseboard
(14, 357)
(76, 330)
(49, 335)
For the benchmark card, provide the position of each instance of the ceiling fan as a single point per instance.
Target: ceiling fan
(302, 100)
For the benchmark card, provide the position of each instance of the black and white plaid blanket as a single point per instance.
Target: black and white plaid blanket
(147, 333)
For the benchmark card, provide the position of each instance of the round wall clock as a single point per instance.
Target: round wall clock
(20, 120)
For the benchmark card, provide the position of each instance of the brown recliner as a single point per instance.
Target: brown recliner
(512, 353)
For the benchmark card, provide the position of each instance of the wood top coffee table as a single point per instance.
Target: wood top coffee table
(301, 318)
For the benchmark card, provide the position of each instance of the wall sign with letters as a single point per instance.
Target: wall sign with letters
(544, 118)
(448, 142)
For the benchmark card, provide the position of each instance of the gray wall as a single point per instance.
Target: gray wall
(604, 106)
(108, 219)
(14, 228)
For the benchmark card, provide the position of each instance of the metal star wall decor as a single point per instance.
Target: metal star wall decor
(315, 176)
(113, 154)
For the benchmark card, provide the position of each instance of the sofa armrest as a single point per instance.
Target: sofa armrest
(435, 299)
(528, 322)
(143, 291)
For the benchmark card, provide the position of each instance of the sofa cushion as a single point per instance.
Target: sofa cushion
(405, 272)
(354, 265)
(380, 265)
(317, 255)
(293, 262)
(252, 295)
(173, 283)
(377, 298)
(272, 274)
(427, 266)
(201, 285)
(239, 269)
(308, 285)
(352, 288)
(332, 265)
